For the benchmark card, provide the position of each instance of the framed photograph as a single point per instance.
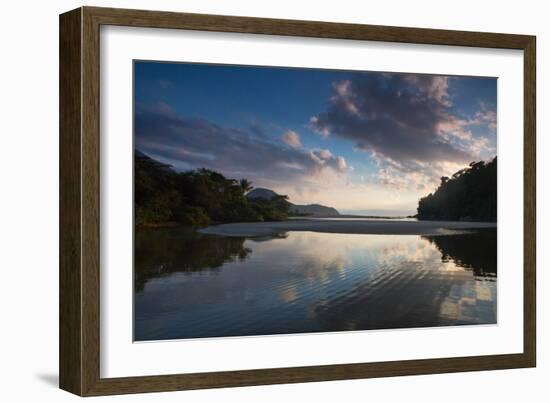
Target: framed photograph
(249, 201)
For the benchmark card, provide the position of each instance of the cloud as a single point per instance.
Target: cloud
(161, 108)
(405, 122)
(458, 132)
(434, 87)
(166, 84)
(189, 143)
(486, 116)
(292, 139)
(324, 158)
(341, 163)
(395, 116)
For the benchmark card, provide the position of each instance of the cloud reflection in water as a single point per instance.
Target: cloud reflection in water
(193, 285)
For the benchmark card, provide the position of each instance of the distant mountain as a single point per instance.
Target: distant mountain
(315, 210)
(144, 158)
(309, 209)
(261, 193)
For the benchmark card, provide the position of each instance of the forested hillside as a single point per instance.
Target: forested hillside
(198, 197)
(469, 195)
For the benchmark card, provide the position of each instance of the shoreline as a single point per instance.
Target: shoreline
(335, 226)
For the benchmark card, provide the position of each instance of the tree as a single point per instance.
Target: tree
(246, 185)
(469, 195)
(196, 197)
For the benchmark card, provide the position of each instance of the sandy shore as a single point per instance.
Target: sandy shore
(382, 227)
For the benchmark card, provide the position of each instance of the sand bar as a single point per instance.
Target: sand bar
(381, 227)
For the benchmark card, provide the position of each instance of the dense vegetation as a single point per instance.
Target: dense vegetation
(469, 195)
(198, 197)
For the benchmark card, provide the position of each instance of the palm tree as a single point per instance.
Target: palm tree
(246, 185)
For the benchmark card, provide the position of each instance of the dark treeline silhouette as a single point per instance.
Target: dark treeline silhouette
(198, 197)
(469, 195)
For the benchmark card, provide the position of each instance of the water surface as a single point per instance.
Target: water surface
(190, 285)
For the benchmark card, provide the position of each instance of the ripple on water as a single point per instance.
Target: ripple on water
(212, 286)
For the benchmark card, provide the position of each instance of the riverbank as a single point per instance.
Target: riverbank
(377, 227)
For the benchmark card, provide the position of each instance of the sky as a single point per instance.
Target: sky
(362, 142)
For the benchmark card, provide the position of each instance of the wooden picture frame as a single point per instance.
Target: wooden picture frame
(80, 186)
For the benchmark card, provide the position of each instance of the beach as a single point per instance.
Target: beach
(346, 226)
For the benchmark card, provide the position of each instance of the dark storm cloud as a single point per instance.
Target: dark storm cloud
(398, 117)
(198, 143)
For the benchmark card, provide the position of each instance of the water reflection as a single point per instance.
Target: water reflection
(161, 252)
(476, 250)
(190, 285)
